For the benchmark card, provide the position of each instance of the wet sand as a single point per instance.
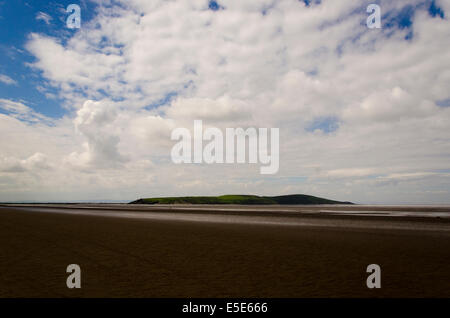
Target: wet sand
(164, 257)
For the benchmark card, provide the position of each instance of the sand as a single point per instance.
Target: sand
(124, 257)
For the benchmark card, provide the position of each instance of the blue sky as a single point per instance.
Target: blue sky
(19, 19)
(91, 110)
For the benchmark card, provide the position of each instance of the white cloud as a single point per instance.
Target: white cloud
(7, 80)
(350, 172)
(222, 109)
(20, 111)
(96, 121)
(36, 161)
(42, 16)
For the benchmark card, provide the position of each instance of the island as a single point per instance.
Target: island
(241, 199)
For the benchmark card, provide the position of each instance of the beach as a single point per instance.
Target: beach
(136, 251)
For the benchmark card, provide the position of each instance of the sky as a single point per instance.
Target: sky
(86, 114)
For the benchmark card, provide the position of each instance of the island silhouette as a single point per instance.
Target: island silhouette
(241, 199)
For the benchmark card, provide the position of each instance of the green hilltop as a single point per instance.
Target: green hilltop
(240, 199)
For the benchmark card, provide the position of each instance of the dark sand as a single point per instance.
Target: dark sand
(122, 257)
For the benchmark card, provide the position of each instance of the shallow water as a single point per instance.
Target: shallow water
(388, 220)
